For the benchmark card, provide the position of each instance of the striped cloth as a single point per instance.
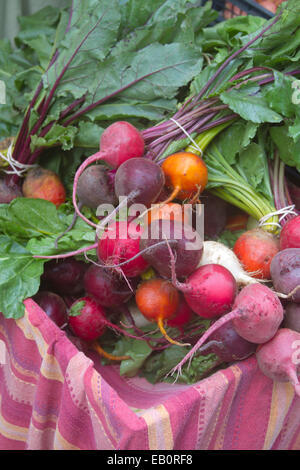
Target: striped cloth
(53, 396)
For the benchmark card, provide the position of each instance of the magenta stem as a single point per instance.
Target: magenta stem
(236, 54)
(215, 326)
(68, 255)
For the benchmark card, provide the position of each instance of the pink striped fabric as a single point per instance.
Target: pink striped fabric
(54, 396)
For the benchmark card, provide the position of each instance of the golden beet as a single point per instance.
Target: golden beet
(44, 184)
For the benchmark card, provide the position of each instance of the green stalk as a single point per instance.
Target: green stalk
(204, 139)
(232, 185)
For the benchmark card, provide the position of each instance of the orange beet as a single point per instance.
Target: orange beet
(255, 250)
(186, 174)
(44, 184)
(170, 211)
(158, 300)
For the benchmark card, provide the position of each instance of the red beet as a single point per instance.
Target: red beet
(89, 322)
(182, 315)
(120, 243)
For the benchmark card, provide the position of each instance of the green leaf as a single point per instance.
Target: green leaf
(25, 218)
(235, 138)
(279, 95)
(159, 365)
(76, 309)
(57, 135)
(294, 129)
(88, 135)
(19, 277)
(252, 108)
(252, 163)
(38, 215)
(289, 150)
(229, 238)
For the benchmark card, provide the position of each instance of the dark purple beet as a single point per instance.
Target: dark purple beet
(292, 316)
(106, 286)
(228, 345)
(53, 305)
(8, 192)
(95, 187)
(65, 276)
(140, 179)
(285, 272)
(158, 257)
(215, 215)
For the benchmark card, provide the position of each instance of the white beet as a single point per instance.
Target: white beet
(217, 253)
(139, 319)
(279, 358)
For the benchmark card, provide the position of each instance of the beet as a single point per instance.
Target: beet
(292, 316)
(106, 286)
(215, 215)
(89, 324)
(140, 180)
(41, 183)
(187, 249)
(65, 276)
(119, 243)
(95, 187)
(8, 192)
(53, 305)
(285, 272)
(229, 346)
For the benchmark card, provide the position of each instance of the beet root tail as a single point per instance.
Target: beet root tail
(160, 323)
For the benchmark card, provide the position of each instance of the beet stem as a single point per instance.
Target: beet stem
(68, 255)
(160, 323)
(220, 322)
(68, 229)
(96, 347)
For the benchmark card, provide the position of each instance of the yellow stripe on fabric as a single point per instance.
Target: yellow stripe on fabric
(282, 397)
(12, 431)
(150, 419)
(160, 435)
(51, 369)
(43, 419)
(166, 427)
(221, 436)
(24, 324)
(60, 443)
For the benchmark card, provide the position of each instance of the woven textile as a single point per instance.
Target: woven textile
(53, 396)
